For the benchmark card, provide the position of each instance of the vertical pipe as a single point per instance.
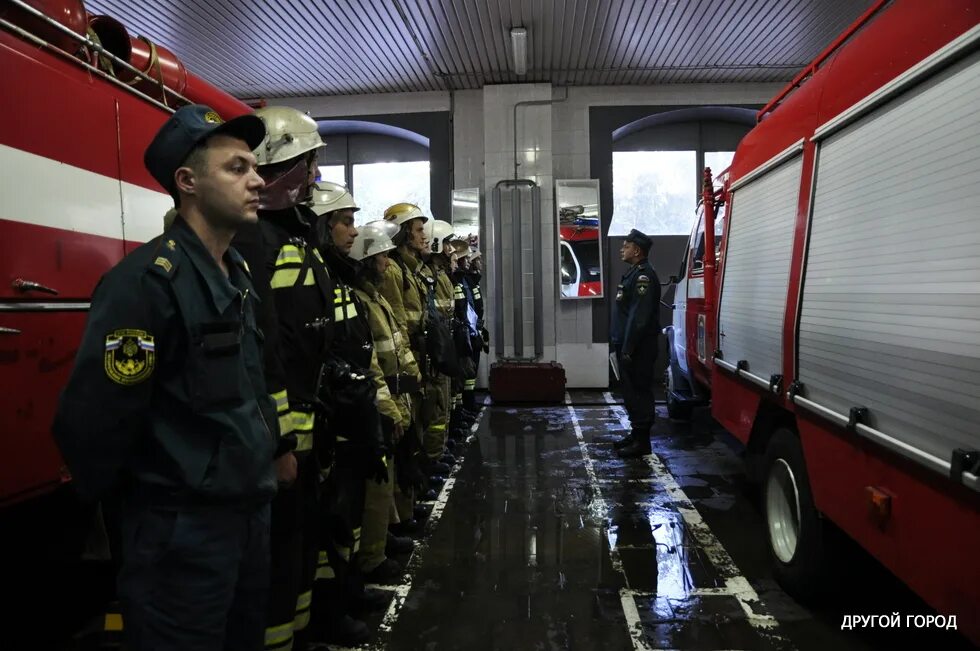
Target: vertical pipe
(538, 271)
(518, 270)
(498, 276)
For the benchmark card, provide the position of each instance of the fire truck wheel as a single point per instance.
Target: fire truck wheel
(795, 530)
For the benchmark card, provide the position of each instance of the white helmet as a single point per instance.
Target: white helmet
(435, 232)
(373, 238)
(401, 213)
(474, 255)
(288, 134)
(328, 197)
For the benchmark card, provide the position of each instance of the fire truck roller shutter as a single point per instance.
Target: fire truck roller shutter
(753, 293)
(891, 300)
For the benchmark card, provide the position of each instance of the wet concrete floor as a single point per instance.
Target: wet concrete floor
(549, 541)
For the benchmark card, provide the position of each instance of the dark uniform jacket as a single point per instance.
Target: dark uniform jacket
(167, 396)
(636, 314)
(353, 344)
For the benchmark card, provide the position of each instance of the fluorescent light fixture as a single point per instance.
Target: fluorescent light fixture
(518, 48)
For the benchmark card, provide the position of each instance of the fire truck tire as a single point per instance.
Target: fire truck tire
(796, 533)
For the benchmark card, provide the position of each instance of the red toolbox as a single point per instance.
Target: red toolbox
(527, 382)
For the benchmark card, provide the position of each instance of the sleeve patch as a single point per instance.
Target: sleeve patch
(130, 356)
(643, 279)
(641, 289)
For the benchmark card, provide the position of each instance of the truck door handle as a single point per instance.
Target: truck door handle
(9, 331)
(25, 286)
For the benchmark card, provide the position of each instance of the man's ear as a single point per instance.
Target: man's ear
(185, 180)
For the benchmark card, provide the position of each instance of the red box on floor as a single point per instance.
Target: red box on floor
(527, 382)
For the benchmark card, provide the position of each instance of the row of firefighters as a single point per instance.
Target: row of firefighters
(380, 332)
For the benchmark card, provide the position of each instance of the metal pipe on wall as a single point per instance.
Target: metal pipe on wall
(517, 269)
(538, 273)
(498, 275)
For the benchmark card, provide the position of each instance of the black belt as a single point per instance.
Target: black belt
(401, 384)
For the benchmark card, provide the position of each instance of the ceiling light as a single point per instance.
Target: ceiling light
(518, 48)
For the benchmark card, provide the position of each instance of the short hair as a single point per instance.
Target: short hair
(197, 160)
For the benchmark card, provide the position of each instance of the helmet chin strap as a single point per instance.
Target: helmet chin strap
(288, 189)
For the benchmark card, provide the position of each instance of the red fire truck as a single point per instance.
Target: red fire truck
(82, 99)
(829, 304)
(578, 242)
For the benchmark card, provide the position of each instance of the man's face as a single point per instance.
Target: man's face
(227, 188)
(629, 252)
(342, 230)
(416, 237)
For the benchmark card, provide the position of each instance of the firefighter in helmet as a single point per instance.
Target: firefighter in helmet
(296, 292)
(439, 382)
(468, 341)
(361, 457)
(399, 373)
(406, 291)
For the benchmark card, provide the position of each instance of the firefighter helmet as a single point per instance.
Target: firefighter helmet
(373, 238)
(328, 197)
(289, 133)
(401, 213)
(435, 232)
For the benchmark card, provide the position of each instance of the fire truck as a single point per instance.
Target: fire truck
(82, 100)
(829, 305)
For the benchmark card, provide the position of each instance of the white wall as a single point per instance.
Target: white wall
(552, 143)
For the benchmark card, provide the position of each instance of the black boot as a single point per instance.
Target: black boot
(638, 448)
(624, 442)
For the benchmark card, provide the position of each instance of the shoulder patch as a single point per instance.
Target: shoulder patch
(643, 279)
(130, 356)
(163, 262)
(171, 245)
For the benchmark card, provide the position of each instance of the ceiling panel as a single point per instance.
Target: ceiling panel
(307, 47)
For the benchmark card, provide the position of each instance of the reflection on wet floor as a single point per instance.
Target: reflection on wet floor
(550, 541)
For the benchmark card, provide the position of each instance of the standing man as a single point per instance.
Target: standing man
(167, 408)
(635, 325)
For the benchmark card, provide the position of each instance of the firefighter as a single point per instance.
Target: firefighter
(406, 290)
(295, 292)
(167, 408)
(634, 337)
(397, 371)
(361, 456)
(464, 333)
(481, 345)
(439, 380)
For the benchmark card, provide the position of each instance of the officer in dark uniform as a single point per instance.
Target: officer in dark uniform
(167, 411)
(635, 325)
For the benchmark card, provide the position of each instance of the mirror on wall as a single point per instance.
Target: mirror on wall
(579, 246)
(466, 214)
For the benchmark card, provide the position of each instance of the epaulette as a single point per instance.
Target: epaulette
(165, 258)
